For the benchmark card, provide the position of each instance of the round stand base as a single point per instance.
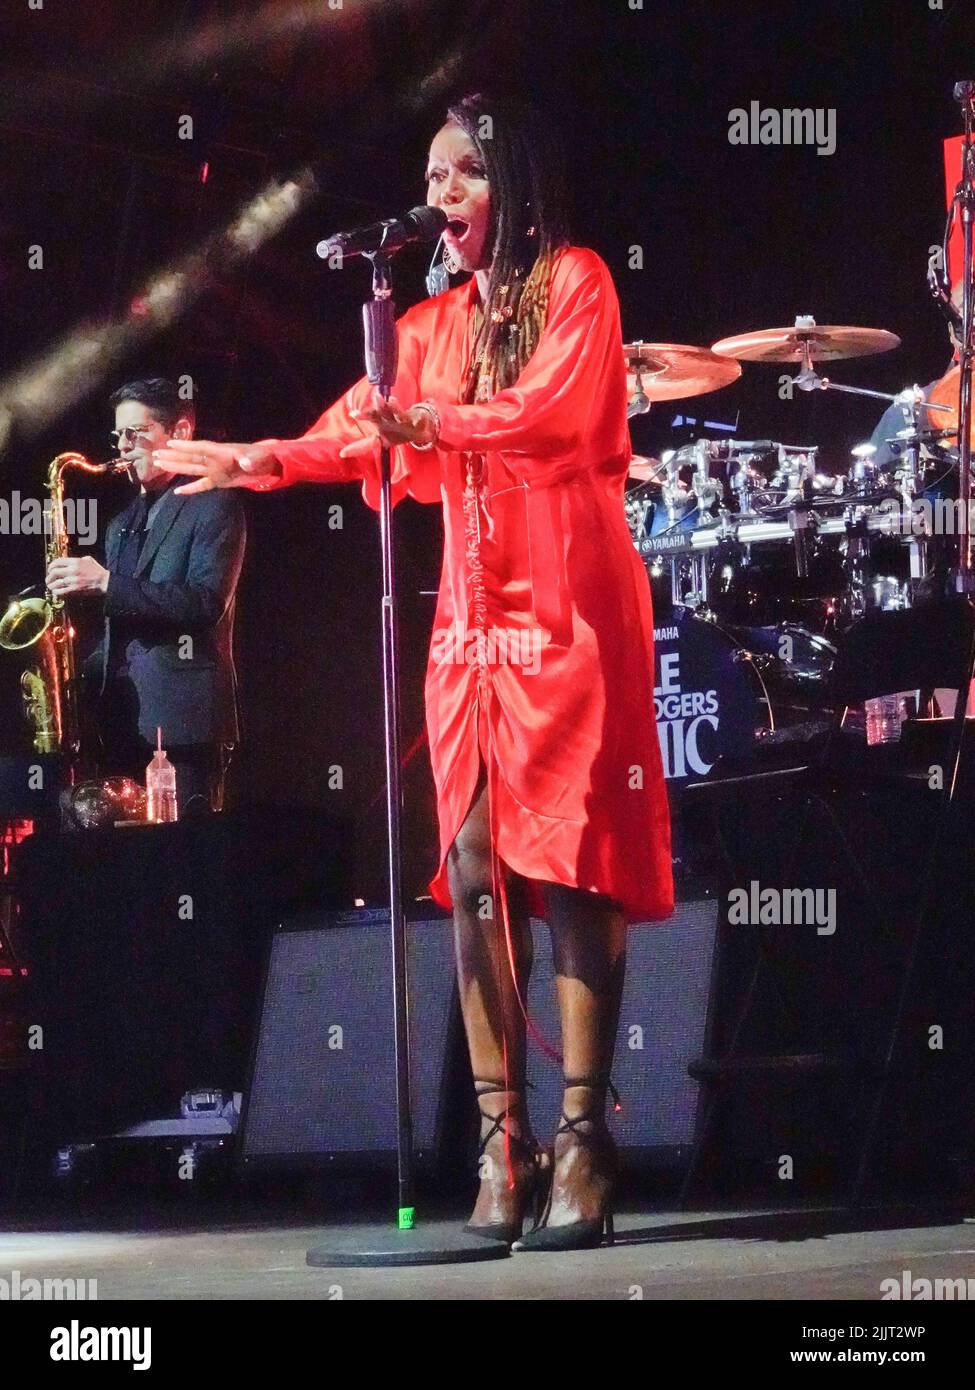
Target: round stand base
(431, 1243)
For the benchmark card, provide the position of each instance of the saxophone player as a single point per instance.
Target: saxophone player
(168, 591)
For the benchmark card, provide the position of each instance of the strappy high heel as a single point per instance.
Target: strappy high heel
(589, 1233)
(529, 1192)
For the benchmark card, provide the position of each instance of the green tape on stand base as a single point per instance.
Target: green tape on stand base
(406, 1218)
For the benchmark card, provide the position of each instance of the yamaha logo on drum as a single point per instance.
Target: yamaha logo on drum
(666, 544)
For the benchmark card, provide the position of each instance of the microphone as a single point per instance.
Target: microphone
(419, 224)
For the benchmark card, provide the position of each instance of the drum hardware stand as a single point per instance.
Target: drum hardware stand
(741, 481)
(674, 492)
(963, 203)
(802, 519)
(855, 566)
(383, 1245)
(707, 490)
(696, 593)
(909, 479)
(918, 559)
(808, 379)
(797, 467)
(639, 403)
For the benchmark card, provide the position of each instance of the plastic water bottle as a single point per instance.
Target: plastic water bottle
(160, 785)
(884, 717)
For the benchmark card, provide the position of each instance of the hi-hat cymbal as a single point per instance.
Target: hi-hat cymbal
(670, 371)
(807, 338)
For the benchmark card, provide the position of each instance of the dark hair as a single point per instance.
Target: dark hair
(161, 397)
(523, 161)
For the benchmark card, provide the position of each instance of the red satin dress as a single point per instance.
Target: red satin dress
(541, 663)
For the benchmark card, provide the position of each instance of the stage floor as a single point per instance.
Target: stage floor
(687, 1256)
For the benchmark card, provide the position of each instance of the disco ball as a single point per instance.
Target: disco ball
(97, 804)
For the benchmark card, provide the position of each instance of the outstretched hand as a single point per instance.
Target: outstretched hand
(237, 465)
(215, 465)
(384, 420)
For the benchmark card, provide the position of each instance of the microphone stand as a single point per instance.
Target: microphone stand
(382, 360)
(380, 1245)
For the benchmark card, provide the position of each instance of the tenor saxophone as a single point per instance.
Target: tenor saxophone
(47, 685)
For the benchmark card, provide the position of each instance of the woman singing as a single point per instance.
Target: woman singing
(509, 408)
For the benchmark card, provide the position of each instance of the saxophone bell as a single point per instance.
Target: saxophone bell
(41, 623)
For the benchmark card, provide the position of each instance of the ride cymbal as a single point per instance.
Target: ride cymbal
(806, 341)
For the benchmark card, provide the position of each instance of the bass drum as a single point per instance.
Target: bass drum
(721, 692)
(796, 666)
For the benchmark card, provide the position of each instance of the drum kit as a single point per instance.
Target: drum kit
(759, 556)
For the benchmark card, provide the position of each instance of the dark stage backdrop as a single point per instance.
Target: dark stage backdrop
(733, 238)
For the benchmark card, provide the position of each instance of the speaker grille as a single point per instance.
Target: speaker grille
(324, 1079)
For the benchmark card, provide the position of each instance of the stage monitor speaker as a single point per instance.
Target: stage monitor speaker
(663, 1017)
(323, 1082)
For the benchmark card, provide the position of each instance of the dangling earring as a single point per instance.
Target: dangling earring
(438, 280)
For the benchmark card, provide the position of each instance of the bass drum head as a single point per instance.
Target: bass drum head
(710, 700)
(796, 666)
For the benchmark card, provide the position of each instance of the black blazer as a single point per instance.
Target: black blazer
(183, 588)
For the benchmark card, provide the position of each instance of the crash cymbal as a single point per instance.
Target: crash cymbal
(806, 339)
(670, 371)
(645, 469)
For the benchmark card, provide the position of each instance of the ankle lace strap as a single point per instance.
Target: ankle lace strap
(595, 1083)
(594, 1114)
(498, 1121)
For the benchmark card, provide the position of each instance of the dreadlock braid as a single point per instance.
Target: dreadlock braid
(523, 162)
